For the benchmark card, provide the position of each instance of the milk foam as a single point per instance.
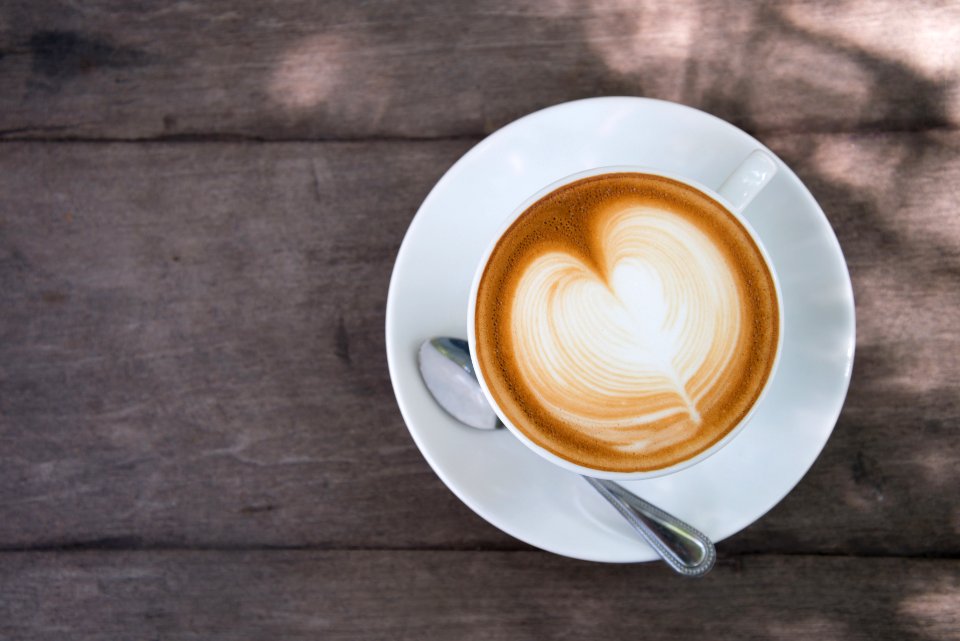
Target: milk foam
(626, 322)
(618, 350)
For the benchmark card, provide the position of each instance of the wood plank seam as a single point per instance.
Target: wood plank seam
(10, 136)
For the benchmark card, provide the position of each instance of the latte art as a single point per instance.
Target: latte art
(621, 351)
(626, 322)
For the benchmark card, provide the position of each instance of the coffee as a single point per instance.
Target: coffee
(626, 322)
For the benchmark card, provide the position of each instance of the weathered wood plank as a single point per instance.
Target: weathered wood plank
(192, 337)
(191, 349)
(467, 595)
(309, 70)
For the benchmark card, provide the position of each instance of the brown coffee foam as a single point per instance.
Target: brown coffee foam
(569, 220)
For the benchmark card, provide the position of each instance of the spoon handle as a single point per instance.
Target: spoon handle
(683, 547)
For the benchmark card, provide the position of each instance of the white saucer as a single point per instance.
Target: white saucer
(517, 490)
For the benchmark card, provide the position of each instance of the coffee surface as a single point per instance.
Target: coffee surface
(626, 322)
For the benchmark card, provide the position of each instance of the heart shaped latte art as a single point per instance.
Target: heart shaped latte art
(622, 352)
(626, 322)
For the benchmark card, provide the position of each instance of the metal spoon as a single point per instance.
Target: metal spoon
(448, 372)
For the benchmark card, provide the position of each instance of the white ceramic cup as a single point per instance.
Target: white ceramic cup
(735, 194)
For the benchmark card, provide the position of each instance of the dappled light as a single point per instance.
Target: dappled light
(935, 610)
(627, 34)
(938, 466)
(309, 72)
(925, 36)
(786, 58)
(854, 164)
(728, 65)
(892, 217)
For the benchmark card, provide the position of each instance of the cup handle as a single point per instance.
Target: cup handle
(746, 181)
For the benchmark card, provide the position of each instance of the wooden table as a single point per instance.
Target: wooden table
(200, 205)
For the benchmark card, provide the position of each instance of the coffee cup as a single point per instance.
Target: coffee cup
(625, 322)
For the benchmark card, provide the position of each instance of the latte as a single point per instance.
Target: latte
(626, 322)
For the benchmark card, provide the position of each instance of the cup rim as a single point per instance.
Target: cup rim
(554, 458)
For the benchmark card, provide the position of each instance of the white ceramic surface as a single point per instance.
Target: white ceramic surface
(525, 495)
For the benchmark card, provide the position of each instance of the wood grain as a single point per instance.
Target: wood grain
(193, 335)
(467, 595)
(335, 70)
(197, 429)
(191, 349)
